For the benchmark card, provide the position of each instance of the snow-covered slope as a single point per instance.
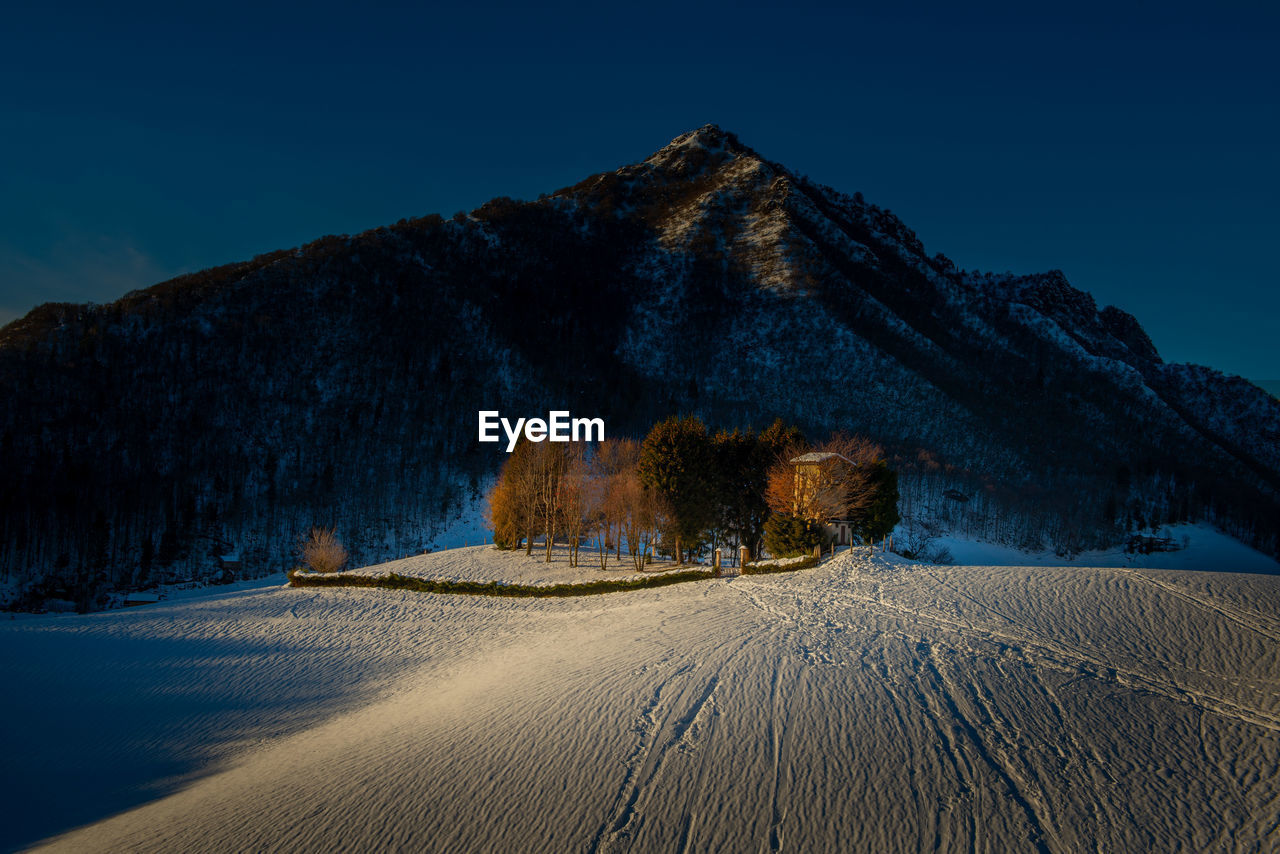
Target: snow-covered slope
(866, 705)
(1197, 547)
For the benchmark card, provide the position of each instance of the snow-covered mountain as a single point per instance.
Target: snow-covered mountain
(338, 382)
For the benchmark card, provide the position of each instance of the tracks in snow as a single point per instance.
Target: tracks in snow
(939, 695)
(679, 715)
(777, 813)
(1029, 645)
(1243, 617)
(974, 726)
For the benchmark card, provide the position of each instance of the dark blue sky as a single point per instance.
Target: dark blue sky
(1134, 146)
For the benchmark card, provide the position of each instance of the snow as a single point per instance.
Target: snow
(486, 563)
(782, 561)
(1208, 549)
(867, 704)
(467, 527)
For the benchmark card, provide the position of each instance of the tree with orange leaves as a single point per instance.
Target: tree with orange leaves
(835, 480)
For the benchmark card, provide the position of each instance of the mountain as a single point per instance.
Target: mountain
(338, 383)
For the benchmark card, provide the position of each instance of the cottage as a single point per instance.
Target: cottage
(820, 494)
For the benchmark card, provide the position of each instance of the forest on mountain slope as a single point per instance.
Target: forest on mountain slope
(337, 384)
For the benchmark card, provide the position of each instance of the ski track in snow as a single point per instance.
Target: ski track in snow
(865, 705)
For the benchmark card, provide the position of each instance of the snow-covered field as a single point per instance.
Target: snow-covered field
(514, 567)
(865, 705)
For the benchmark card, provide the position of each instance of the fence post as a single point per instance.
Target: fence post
(744, 555)
(716, 562)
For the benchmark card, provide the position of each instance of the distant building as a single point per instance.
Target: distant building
(814, 477)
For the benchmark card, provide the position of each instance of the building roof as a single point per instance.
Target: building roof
(821, 456)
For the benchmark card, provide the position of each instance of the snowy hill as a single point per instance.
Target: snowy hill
(865, 705)
(338, 383)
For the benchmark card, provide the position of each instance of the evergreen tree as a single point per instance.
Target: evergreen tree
(778, 439)
(790, 536)
(676, 460)
(881, 515)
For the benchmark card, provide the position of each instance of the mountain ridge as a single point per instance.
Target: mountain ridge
(336, 382)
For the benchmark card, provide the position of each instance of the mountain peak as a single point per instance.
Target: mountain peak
(708, 145)
(710, 135)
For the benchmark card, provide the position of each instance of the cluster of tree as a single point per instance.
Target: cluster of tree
(556, 490)
(686, 489)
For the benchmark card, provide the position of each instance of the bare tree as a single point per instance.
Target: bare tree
(551, 460)
(831, 481)
(575, 497)
(627, 495)
(514, 501)
(321, 551)
(614, 461)
(597, 511)
(646, 513)
(503, 514)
